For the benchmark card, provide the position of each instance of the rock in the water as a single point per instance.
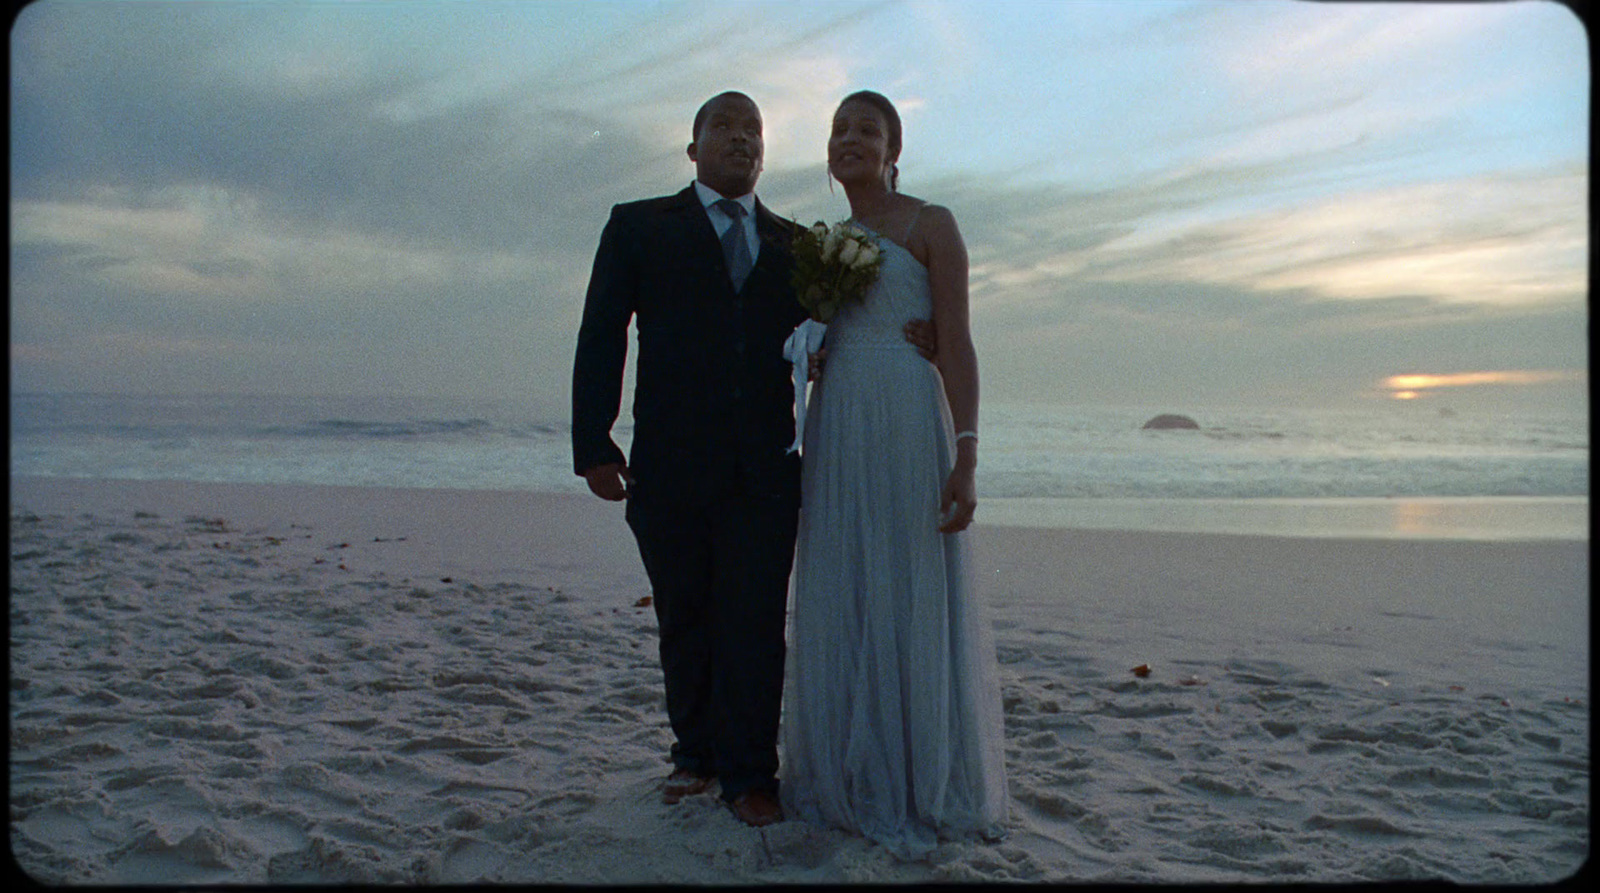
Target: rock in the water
(1167, 422)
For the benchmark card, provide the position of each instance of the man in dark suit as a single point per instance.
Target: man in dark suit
(713, 493)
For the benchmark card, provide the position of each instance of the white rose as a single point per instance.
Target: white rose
(848, 252)
(830, 246)
(867, 256)
(819, 229)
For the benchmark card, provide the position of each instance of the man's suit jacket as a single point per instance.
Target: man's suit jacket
(714, 397)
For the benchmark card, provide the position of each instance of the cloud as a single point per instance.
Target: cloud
(1499, 240)
(1408, 91)
(1178, 344)
(1492, 241)
(1138, 290)
(207, 243)
(285, 204)
(335, 198)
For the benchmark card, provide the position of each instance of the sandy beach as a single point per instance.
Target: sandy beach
(228, 683)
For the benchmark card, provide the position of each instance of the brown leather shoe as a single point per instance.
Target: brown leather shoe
(683, 783)
(756, 808)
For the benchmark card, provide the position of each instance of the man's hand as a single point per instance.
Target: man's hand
(921, 334)
(816, 361)
(609, 481)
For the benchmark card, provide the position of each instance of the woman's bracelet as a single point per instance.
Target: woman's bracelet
(971, 434)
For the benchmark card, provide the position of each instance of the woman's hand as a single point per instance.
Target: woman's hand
(959, 500)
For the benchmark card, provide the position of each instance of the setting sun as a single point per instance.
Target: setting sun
(1412, 385)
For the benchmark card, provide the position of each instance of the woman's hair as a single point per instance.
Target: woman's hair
(891, 118)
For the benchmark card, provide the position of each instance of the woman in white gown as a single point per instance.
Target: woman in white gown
(892, 725)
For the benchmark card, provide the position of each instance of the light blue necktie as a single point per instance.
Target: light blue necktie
(735, 247)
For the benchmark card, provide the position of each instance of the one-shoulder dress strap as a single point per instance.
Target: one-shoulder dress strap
(913, 225)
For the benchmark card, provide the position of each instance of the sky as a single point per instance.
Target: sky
(1204, 203)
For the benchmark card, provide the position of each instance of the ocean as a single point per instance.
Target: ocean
(1391, 470)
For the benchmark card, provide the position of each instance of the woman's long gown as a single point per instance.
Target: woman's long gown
(892, 718)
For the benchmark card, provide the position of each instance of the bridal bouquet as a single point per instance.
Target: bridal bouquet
(833, 266)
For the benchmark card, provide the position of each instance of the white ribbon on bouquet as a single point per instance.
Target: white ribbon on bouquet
(805, 340)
